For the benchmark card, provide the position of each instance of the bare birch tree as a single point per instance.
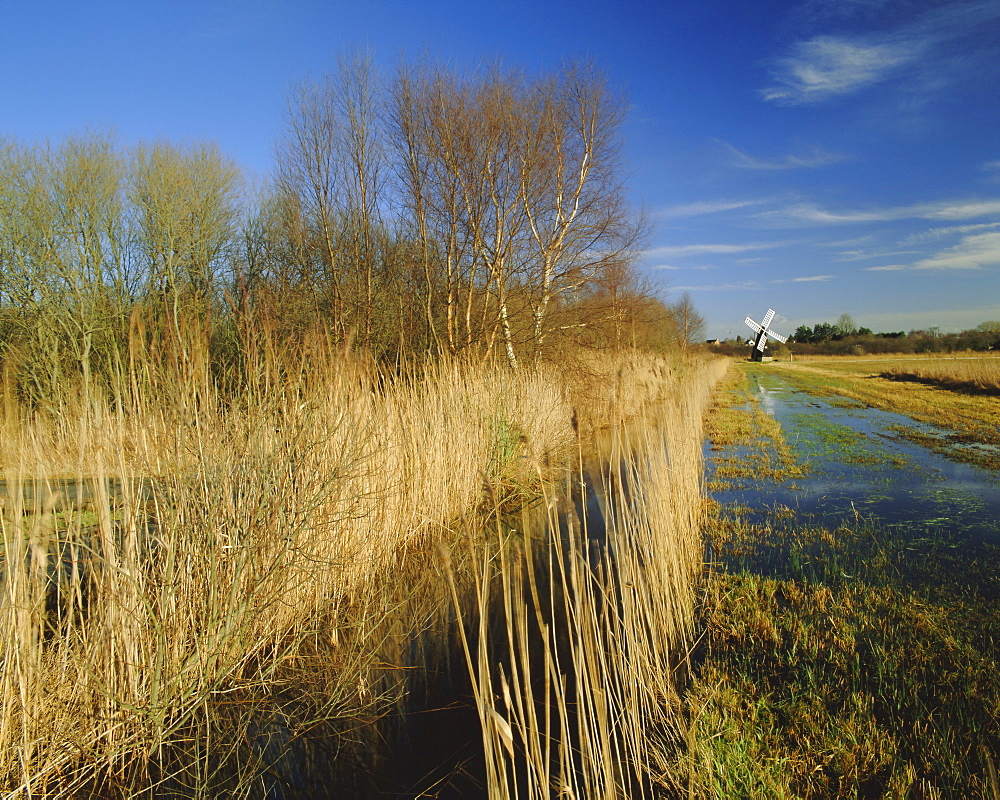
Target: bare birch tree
(307, 178)
(331, 172)
(91, 269)
(28, 251)
(517, 191)
(690, 324)
(358, 100)
(429, 125)
(573, 189)
(65, 278)
(411, 143)
(186, 204)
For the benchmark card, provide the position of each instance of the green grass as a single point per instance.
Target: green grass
(849, 662)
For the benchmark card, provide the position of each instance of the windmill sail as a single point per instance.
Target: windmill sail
(763, 332)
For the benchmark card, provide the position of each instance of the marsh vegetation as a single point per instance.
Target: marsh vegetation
(296, 479)
(267, 618)
(853, 654)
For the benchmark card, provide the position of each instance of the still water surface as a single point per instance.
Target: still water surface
(857, 465)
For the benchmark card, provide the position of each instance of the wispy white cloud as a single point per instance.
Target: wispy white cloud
(951, 230)
(821, 11)
(945, 210)
(686, 267)
(805, 279)
(807, 212)
(853, 255)
(961, 210)
(817, 157)
(973, 252)
(741, 286)
(862, 255)
(855, 242)
(680, 251)
(827, 66)
(704, 207)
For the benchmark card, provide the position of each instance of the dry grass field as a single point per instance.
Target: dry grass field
(974, 374)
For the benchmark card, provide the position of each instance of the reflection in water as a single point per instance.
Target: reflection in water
(858, 466)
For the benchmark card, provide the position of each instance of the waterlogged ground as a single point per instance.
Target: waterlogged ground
(851, 461)
(850, 624)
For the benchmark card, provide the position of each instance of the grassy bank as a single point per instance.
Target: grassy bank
(242, 608)
(854, 662)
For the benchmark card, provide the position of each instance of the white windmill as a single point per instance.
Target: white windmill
(762, 333)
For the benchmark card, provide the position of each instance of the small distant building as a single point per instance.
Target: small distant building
(712, 341)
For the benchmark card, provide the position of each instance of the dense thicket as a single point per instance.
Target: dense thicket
(431, 213)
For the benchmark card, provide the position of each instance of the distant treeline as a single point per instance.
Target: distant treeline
(421, 214)
(844, 339)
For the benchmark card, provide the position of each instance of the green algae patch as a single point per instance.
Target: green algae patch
(954, 447)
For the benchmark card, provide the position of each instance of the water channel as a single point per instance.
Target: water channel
(856, 464)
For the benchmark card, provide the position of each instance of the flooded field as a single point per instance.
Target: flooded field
(850, 607)
(859, 461)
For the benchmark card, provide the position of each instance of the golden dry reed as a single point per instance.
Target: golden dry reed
(582, 621)
(978, 372)
(236, 578)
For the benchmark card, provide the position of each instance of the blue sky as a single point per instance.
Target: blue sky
(818, 157)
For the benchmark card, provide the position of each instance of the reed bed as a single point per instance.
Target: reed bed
(250, 585)
(243, 556)
(582, 622)
(977, 375)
